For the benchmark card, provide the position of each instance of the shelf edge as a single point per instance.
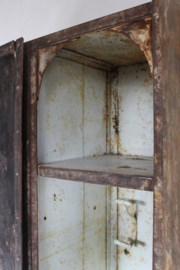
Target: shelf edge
(101, 178)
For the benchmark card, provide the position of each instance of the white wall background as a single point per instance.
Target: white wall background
(35, 18)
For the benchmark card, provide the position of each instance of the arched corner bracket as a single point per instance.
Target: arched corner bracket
(140, 32)
(45, 55)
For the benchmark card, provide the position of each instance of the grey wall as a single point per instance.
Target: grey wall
(31, 19)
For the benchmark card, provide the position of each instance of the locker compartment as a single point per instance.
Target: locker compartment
(78, 223)
(95, 126)
(95, 108)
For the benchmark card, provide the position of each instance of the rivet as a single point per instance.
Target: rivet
(17, 174)
(17, 87)
(17, 131)
(17, 217)
(18, 259)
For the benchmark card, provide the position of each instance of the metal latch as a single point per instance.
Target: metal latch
(118, 242)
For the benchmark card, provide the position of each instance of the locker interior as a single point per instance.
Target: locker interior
(95, 109)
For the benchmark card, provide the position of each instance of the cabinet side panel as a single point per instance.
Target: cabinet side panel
(60, 224)
(170, 40)
(94, 112)
(60, 136)
(60, 112)
(158, 140)
(135, 110)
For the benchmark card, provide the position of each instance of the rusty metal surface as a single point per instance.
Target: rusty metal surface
(135, 95)
(168, 74)
(110, 179)
(7, 48)
(158, 142)
(83, 59)
(140, 32)
(68, 93)
(11, 66)
(18, 154)
(114, 108)
(121, 165)
(30, 205)
(112, 48)
(118, 18)
(45, 55)
(30, 115)
(72, 222)
(135, 225)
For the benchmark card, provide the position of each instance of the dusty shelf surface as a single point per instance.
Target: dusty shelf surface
(123, 171)
(125, 165)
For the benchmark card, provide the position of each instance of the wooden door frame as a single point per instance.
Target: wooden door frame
(31, 84)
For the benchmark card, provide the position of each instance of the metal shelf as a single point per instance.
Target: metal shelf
(121, 171)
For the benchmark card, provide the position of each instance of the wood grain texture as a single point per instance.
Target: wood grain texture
(170, 42)
(11, 158)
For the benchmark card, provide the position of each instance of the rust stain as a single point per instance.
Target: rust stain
(45, 56)
(99, 231)
(50, 234)
(111, 47)
(140, 32)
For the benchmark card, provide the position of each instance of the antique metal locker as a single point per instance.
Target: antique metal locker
(96, 131)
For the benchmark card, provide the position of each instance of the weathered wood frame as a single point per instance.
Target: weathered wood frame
(31, 85)
(11, 81)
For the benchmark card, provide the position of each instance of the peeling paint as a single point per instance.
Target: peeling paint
(140, 32)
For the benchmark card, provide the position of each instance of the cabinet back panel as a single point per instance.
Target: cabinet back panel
(71, 121)
(71, 112)
(72, 225)
(78, 222)
(94, 112)
(60, 110)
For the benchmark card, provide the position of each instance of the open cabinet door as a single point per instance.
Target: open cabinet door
(11, 75)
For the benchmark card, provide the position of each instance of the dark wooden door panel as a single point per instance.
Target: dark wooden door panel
(11, 63)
